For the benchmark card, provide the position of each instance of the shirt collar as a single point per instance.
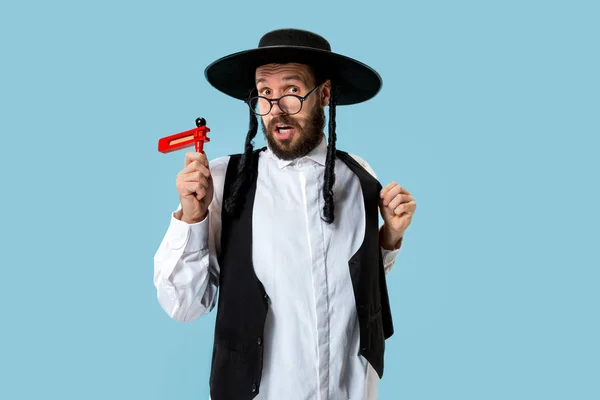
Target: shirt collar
(318, 155)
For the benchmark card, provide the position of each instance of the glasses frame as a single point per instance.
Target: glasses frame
(277, 100)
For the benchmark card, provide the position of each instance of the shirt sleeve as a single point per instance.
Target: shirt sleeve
(186, 268)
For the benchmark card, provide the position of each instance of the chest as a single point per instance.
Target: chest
(295, 253)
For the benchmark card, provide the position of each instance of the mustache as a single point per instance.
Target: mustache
(282, 119)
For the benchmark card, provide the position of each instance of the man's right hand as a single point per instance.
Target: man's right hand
(195, 187)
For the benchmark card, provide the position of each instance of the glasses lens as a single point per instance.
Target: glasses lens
(260, 105)
(290, 104)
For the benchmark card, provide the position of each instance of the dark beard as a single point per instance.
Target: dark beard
(310, 136)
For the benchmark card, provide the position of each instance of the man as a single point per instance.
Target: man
(288, 234)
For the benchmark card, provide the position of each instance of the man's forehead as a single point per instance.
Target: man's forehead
(286, 71)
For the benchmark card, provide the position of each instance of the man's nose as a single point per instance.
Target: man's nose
(275, 109)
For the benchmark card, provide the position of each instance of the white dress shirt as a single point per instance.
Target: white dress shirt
(311, 337)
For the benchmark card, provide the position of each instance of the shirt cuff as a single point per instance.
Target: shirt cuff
(191, 237)
(389, 256)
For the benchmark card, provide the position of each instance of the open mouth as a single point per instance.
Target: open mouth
(283, 131)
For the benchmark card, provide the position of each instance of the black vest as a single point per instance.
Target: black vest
(243, 303)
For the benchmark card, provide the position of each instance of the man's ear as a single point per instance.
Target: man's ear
(326, 93)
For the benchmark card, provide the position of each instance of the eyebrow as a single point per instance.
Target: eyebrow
(285, 78)
(293, 78)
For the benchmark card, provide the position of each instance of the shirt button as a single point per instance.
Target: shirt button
(253, 387)
(259, 341)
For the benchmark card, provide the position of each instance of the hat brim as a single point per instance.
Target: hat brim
(234, 74)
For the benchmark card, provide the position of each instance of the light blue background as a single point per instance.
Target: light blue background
(488, 116)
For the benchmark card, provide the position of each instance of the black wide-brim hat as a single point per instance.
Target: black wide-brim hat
(234, 74)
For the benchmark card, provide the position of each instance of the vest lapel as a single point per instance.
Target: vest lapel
(368, 275)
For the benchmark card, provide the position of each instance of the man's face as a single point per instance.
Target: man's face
(292, 136)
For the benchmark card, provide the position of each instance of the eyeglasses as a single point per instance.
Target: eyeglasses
(290, 103)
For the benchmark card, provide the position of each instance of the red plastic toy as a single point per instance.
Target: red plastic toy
(185, 139)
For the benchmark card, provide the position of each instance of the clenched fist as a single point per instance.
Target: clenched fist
(195, 187)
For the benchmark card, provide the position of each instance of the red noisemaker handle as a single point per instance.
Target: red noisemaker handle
(181, 140)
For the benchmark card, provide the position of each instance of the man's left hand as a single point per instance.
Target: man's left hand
(397, 208)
